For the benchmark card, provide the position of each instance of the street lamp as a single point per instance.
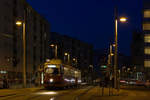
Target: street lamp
(19, 24)
(76, 61)
(67, 54)
(122, 19)
(52, 45)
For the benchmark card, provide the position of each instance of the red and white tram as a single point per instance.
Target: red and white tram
(57, 74)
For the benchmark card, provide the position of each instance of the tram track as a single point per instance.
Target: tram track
(35, 96)
(83, 93)
(72, 92)
(68, 92)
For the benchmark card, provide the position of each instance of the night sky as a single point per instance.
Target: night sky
(92, 20)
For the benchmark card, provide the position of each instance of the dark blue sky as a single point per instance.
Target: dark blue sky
(91, 20)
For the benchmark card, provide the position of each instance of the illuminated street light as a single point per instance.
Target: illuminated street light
(22, 23)
(52, 45)
(113, 45)
(67, 54)
(123, 19)
(18, 23)
(112, 54)
(74, 59)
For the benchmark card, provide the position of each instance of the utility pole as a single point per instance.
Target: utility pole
(24, 55)
(116, 48)
(56, 51)
(23, 24)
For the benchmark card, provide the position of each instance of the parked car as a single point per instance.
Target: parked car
(132, 82)
(123, 82)
(140, 83)
(147, 84)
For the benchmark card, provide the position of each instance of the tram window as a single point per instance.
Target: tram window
(56, 71)
(52, 71)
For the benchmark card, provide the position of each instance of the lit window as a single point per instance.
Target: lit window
(146, 27)
(147, 38)
(147, 13)
(147, 63)
(147, 50)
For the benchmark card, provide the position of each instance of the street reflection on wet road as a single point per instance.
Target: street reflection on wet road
(47, 93)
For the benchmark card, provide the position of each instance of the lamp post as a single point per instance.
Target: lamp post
(22, 23)
(76, 61)
(122, 19)
(67, 54)
(52, 45)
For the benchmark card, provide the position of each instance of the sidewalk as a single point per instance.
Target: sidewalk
(9, 92)
(99, 93)
(109, 91)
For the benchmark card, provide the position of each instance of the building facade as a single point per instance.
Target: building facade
(11, 39)
(137, 50)
(80, 53)
(146, 31)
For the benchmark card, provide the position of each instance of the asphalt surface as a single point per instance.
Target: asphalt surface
(43, 94)
(83, 93)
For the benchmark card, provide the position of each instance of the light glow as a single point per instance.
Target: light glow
(52, 98)
(147, 63)
(70, 80)
(47, 93)
(52, 45)
(122, 81)
(74, 59)
(123, 19)
(42, 78)
(3, 72)
(147, 50)
(146, 26)
(66, 54)
(147, 38)
(79, 81)
(51, 66)
(147, 13)
(51, 80)
(18, 23)
(112, 54)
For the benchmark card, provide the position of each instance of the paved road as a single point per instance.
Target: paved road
(68, 94)
(84, 93)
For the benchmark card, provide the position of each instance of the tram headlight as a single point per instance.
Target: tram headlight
(51, 80)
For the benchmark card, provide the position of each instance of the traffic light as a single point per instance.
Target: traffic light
(103, 66)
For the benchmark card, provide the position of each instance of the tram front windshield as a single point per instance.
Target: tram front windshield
(52, 71)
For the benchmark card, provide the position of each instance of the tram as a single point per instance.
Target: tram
(59, 75)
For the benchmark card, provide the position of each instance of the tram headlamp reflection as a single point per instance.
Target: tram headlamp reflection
(47, 93)
(51, 80)
(52, 98)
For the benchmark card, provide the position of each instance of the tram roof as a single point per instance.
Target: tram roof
(54, 61)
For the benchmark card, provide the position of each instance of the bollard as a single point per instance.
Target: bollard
(102, 91)
(109, 91)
